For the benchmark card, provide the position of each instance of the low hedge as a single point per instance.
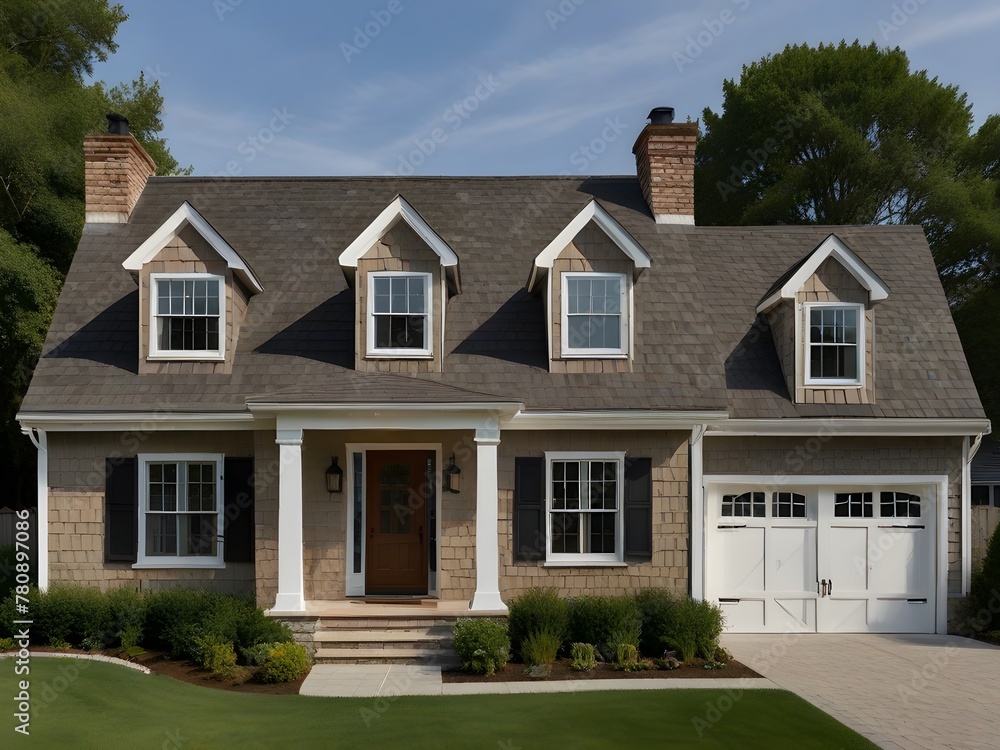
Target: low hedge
(482, 644)
(537, 610)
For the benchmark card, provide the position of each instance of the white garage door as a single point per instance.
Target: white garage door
(850, 559)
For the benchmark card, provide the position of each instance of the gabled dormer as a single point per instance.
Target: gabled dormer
(587, 275)
(822, 317)
(403, 274)
(194, 289)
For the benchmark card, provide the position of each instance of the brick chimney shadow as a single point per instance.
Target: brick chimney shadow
(618, 191)
(110, 338)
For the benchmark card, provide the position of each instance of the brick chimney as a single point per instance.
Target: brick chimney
(117, 168)
(664, 161)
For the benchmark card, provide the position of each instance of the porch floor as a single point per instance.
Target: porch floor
(406, 608)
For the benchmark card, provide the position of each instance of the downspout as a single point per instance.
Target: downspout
(41, 442)
(968, 453)
(696, 483)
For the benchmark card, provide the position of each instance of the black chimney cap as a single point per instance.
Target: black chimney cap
(117, 125)
(661, 115)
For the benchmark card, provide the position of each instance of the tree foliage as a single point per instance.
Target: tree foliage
(47, 47)
(849, 134)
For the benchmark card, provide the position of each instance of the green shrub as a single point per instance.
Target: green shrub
(657, 608)
(540, 647)
(217, 656)
(985, 589)
(127, 616)
(695, 629)
(8, 644)
(8, 570)
(285, 662)
(8, 613)
(534, 611)
(593, 619)
(257, 654)
(482, 645)
(626, 654)
(71, 614)
(171, 615)
(255, 628)
(583, 656)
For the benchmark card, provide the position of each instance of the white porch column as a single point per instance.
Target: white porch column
(291, 596)
(41, 441)
(487, 596)
(696, 479)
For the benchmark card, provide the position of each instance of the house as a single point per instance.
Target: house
(458, 388)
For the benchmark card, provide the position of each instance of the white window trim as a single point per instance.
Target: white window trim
(862, 345)
(625, 307)
(372, 351)
(569, 559)
(144, 561)
(213, 355)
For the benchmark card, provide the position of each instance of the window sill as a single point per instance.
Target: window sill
(399, 355)
(583, 564)
(592, 355)
(192, 357)
(827, 385)
(177, 564)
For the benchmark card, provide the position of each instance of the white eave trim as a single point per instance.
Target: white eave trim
(396, 210)
(144, 421)
(849, 427)
(611, 420)
(831, 247)
(495, 406)
(615, 231)
(185, 216)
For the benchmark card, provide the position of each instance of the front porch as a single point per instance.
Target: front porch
(394, 528)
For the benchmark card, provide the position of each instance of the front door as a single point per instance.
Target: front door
(397, 500)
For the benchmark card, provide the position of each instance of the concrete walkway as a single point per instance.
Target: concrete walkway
(381, 680)
(899, 691)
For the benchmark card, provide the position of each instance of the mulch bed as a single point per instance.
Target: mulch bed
(561, 670)
(159, 663)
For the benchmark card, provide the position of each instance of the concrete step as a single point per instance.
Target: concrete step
(407, 622)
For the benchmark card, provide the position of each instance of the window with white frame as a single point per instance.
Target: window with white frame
(584, 503)
(180, 502)
(399, 314)
(835, 344)
(188, 316)
(594, 315)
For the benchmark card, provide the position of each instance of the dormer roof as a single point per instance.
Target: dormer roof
(790, 282)
(186, 216)
(592, 212)
(400, 210)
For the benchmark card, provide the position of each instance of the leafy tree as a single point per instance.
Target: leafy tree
(46, 109)
(848, 134)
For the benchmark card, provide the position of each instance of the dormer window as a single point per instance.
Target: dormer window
(836, 334)
(595, 315)
(399, 314)
(188, 317)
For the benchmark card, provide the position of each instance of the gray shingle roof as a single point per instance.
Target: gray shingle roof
(694, 307)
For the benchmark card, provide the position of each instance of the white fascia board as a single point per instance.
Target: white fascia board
(611, 420)
(497, 406)
(138, 421)
(615, 231)
(390, 417)
(847, 426)
(396, 210)
(831, 247)
(184, 216)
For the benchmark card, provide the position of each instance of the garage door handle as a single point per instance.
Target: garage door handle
(829, 587)
(732, 526)
(822, 588)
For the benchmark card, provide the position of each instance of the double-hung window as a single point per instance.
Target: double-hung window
(188, 316)
(181, 507)
(594, 315)
(585, 495)
(835, 344)
(399, 314)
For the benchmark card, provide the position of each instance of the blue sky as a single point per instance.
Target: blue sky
(449, 87)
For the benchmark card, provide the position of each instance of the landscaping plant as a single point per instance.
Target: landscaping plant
(985, 589)
(285, 662)
(694, 629)
(482, 644)
(540, 647)
(583, 657)
(534, 611)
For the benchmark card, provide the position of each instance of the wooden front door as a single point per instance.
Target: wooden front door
(397, 500)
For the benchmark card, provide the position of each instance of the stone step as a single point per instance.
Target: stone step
(383, 624)
(432, 635)
(408, 655)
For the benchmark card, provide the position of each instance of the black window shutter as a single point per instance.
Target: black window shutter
(238, 537)
(121, 510)
(529, 508)
(638, 509)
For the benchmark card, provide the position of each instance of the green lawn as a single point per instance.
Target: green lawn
(81, 705)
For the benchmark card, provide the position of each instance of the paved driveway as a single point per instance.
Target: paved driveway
(900, 691)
